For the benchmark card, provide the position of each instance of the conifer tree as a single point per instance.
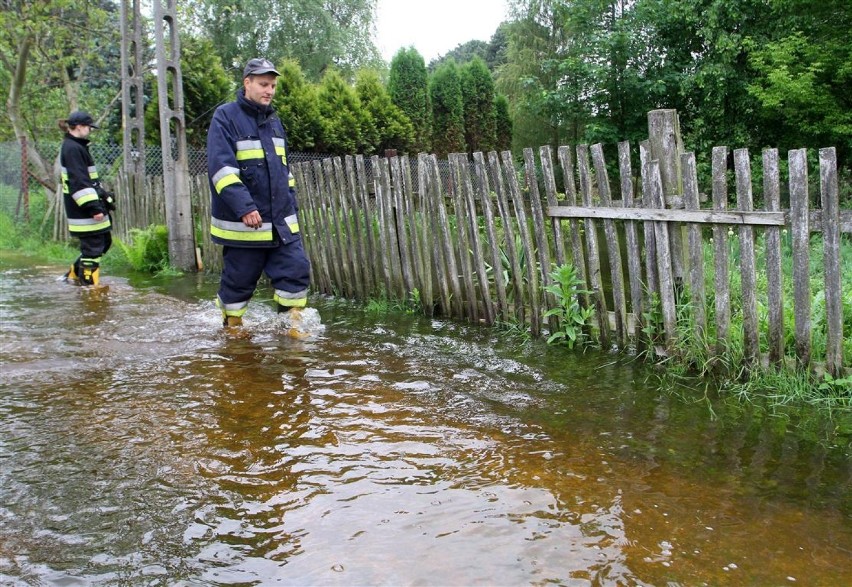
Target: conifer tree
(479, 116)
(409, 89)
(297, 103)
(447, 110)
(503, 123)
(347, 128)
(393, 130)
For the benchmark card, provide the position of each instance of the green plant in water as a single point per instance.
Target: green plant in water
(148, 249)
(652, 318)
(384, 304)
(508, 270)
(414, 303)
(836, 386)
(567, 287)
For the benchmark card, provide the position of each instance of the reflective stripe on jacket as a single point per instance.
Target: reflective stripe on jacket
(80, 188)
(247, 167)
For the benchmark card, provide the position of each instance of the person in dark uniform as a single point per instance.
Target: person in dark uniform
(87, 204)
(254, 208)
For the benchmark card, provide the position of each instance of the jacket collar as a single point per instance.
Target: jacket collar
(82, 141)
(260, 112)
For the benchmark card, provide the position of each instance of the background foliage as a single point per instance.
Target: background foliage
(741, 73)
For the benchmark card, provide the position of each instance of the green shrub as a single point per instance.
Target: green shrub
(573, 318)
(148, 249)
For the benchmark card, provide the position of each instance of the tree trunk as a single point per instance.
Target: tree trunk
(38, 168)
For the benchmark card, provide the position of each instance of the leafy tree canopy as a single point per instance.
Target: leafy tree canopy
(318, 35)
(206, 84)
(56, 56)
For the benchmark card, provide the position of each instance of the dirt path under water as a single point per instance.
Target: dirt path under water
(142, 445)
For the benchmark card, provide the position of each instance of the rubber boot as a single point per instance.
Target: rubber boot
(90, 273)
(229, 321)
(294, 328)
(292, 312)
(71, 276)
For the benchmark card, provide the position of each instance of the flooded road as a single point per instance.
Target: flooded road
(142, 445)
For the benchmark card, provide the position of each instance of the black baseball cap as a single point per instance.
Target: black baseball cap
(259, 66)
(81, 117)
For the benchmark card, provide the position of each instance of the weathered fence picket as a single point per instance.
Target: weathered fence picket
(634, 262)
(799, 219)
(509, 243)
(619, 299)
(593, 258)
(830, 194)
(748, 271)
(775, 302)
(484, 196)
(695, 244)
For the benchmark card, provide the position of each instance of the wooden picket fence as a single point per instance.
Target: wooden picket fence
(481, 247)
(478, 241)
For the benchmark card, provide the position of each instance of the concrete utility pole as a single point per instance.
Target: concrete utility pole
(182, 254)
(133, 96)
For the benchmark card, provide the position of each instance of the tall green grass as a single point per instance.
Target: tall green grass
(147, 250)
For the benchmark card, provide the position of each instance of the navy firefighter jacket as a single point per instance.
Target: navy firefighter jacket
(247, 167)
(80, 188)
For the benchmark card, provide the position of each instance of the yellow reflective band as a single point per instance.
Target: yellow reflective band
(226, 181)
(84, 196)
(251, 154)
(93, 172)
(255, 236)
(87, 225)
(280, 149)
(293, 223)
(235, 309)
(249, 150)
(289, 301)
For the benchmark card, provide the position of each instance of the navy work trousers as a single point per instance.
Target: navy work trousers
(94, 246)
(286, 265)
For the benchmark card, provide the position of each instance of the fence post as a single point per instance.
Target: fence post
(800, 228)
(721, 277)
(775, 306)
(666, 146)
(831, 259)
(747, 264)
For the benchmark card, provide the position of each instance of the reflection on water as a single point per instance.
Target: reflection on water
(140, 444)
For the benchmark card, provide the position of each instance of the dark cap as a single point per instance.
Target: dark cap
(259, 66)
(81, 117)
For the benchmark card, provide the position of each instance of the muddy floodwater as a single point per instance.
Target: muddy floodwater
(140, 444)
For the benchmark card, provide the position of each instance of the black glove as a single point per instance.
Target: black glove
(108, 199)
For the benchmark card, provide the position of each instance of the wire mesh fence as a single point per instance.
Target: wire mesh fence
(109, 158)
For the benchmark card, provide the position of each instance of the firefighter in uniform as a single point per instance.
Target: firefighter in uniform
(254, 199)
(87, 204)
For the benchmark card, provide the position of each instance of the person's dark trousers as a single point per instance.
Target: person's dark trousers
(92, 248)
(286, 265)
